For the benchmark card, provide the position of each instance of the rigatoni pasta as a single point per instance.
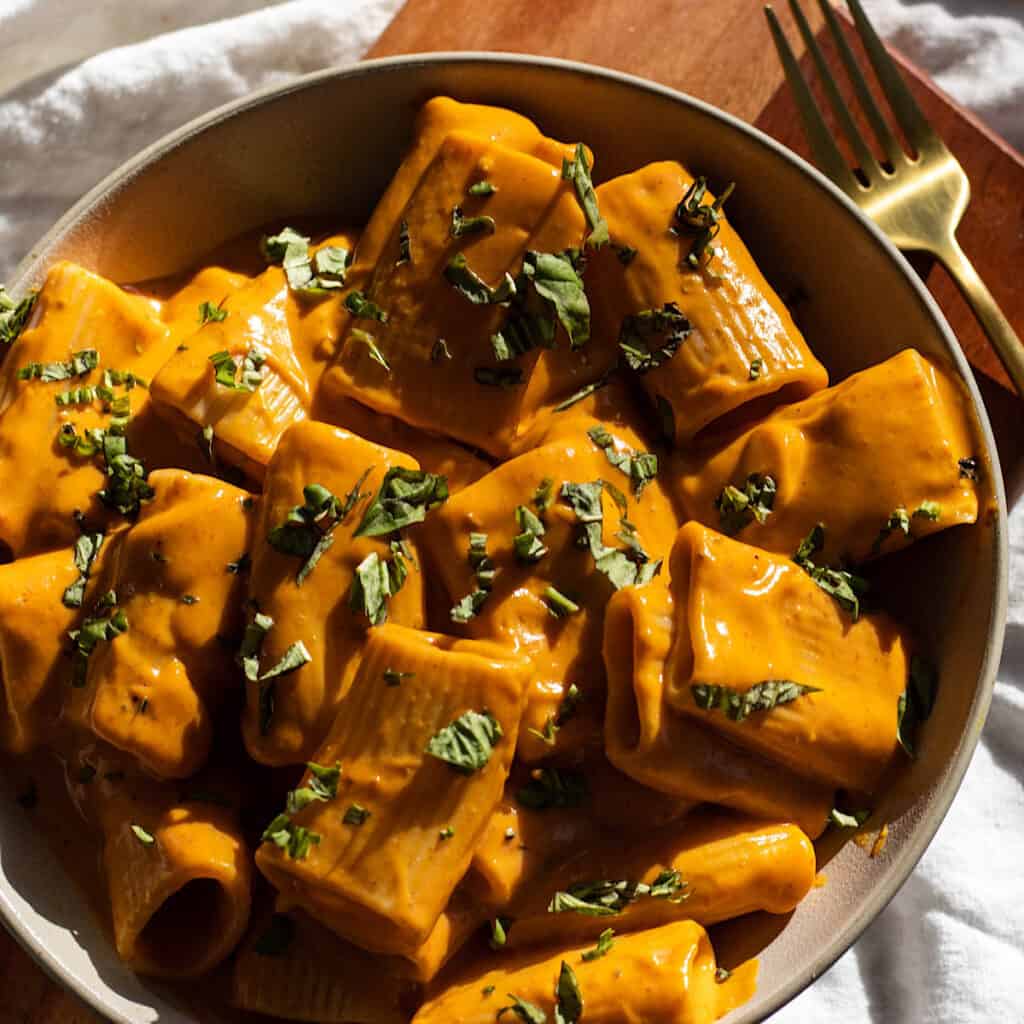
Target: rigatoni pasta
(500, 581)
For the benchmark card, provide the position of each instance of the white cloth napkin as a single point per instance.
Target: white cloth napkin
(950, 947)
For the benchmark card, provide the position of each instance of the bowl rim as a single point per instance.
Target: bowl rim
(927, 826)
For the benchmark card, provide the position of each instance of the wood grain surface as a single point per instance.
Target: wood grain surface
(721, 53)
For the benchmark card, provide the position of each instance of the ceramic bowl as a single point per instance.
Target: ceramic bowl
(327, 144)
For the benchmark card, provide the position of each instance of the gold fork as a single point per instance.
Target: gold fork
(917, 202)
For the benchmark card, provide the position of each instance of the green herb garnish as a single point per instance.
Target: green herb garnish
(467, 743)
(603, 947)
(356, 814)
(916, 702)
(482, 188)
(568, 998)
(739, 704)
(846, 587)
(322, 787)
(738, 507)
(404, 244)
(558, 604)
(14, 315)
(404, 498)
(852, 819)
(459, 275)
(144, 837)
(484, 572)
(702, 220)
(78, 365)
(928, 510)
(968, 468)
(462, 226)
(225, 369)
(212, 314)
(577, 171)
(87, 547)
(294, 840)
(106, 623)
(652, 337)
(527, 544)
(640, 467)
(605, 899)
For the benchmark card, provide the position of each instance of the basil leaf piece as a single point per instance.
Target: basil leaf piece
(577, 171)
(584, 392)
(404, 498)
(650, 338)
(212, 314)
(702, 220)
(740, 704)
(404, 244)
(293, 658)
(568, 998)
(393, 677)
(603, 947)
(853, 819)
(739, 507)
(144, 837)
(499, 932)
(274, 247)
(440, 351)
(482, 188)
(557, 604)
(277, 938)
(362, 308)
(14, 315)
(462, 226)
(846, 587)
(225, 369)
(358, 334)
(555, 278)
(968, 468)
(542, 495)
(322, 787)
(467, 743)
(899, 520)
(374, 583)
(524, 1010)
(640, 467)
(356, 814)
(915, 704)
(293, 839)
(527, 544)
(331, 264)
(607, 898)
(458, 274)
(87, 547)
(106, 623)
(80, 363)
(722, 974)
(77, 396)
(756, 366)
(553, 787)
(928, 510)
(252, 643)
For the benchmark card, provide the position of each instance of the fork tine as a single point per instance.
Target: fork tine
(826, 153)
(914, 124)
(882, 132)
(865, 157)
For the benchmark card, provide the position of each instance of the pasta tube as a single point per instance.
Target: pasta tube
(831, 460)
(726, 340)
(717, 865)
(399, 830)
(151, 685)
(287, 715)
(662, 976)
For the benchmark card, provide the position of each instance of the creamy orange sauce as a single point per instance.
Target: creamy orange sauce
(351, 655)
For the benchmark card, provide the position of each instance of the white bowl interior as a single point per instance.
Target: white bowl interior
(327, 145)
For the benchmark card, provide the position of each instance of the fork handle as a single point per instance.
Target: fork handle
(1004, 339)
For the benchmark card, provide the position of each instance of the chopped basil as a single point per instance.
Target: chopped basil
(189, 599)
(205, 441)
(375, 581)
(499, 932)
(928, 510)
(605, 899)
(321, 788)
(739, 704)
(446, 833)
(577, 171)
(252, 643)
(737, 508)
(722, 975)
(87, 547)
(604, 945)
(853, 819)
(106, 623)
(362, 308)
(568, 998)
(242, 564)
(78, 365)
(77, 396)
(553, 787)
(277, 938)
(293, 839)
(14, 315)
(968, 468)
(358, 334)
(293, 658)
(462, 226)
(275, 247)
(542, 495)
(555, 279)
(144, 837)
(756, 366)
(640, 467)
(394, 678)
(898, 521)
(584, 392)
(212, 314)
(356, 814)
(467, 743)
(652, 337)
(527, 544)
(308, 530)
(525, 1011)
(916, 702)
(404, 498)
(249, 658)
(487, 990)
(484, 573)
(404, 244)
(440, 351)
(702, 220)
(459, 275)
(558, 604)
(482, 188)
(331, 264)
(225, 369)
(846, 587)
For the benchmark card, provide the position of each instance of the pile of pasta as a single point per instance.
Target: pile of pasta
(521, 533)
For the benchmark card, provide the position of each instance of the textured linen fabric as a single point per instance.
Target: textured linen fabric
(91, 83)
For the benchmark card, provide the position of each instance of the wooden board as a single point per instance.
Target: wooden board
(721, 53)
